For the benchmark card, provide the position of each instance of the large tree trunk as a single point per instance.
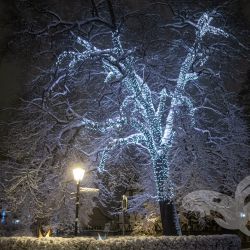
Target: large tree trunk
(169, 218)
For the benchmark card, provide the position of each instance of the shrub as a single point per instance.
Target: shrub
(213, 242)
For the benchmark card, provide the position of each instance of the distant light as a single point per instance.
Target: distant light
(78, 173)
(3, 213)
(16, 221)
(242, 215)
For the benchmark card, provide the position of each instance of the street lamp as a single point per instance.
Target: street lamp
(78, 176)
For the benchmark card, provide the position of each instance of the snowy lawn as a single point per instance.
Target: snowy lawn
(215, 242)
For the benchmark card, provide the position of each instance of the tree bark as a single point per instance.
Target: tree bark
(169, 218)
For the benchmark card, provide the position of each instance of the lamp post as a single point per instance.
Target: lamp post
(78, 176)
(124, 208)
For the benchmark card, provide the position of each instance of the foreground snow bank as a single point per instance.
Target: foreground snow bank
(212, 242)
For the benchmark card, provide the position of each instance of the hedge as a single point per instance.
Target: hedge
(212, 242)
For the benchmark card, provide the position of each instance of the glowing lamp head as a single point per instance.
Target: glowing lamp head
(78, 174)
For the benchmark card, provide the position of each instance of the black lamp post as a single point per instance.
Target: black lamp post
(78, 176)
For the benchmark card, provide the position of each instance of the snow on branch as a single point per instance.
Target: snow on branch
(203, 27)
(93, 125)
(136, 139)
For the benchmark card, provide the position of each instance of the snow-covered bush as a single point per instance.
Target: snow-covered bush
(218, 242)
(147, 225)
(149, 222)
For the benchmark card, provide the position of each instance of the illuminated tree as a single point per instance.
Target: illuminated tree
(133, 113)
(151, 130)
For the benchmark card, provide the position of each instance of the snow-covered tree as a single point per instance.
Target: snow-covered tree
(151, 131)
(187, 131)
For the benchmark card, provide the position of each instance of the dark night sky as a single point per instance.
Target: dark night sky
(13, 67)
(10, 65)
